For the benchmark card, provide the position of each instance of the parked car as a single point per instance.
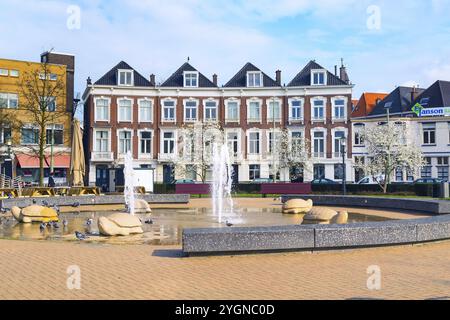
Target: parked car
(184, 181)
(371, 180)
(428, 181)
(323, 181)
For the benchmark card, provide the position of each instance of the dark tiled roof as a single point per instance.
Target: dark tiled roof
(176, 80)
(400, 99)
(110, 78)
(303, 78)
(438, 95)
(239, 80)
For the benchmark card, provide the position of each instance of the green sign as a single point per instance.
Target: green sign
(420, 111)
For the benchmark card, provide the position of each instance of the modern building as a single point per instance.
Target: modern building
(18, 145)
(125, 111)
(426, 116)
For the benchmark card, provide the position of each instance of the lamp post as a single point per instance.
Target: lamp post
(273, 142)
(9, 159)
(344, 175)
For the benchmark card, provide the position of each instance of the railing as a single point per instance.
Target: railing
(166, 157)
(318, 154)
(102, 156)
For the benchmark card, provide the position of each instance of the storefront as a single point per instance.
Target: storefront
(27, 166)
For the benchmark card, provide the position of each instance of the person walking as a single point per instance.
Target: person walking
(51, 181)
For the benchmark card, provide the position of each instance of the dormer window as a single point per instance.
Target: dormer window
(424, 102)
(318, 77)
(254, 79)
(191, 79)
(126, 77)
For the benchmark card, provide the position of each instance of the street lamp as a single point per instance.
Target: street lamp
(344, 177)
(273, 142)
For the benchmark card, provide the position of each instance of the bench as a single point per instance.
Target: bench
(193, 188)
(38, 192)
(138, 190)
(286, 188)
(82, 191)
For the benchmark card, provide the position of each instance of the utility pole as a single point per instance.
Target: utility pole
(344, 174)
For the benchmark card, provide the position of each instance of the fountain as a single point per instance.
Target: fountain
(222, 182)
(128, 191)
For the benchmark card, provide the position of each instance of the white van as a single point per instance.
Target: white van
(371, 180)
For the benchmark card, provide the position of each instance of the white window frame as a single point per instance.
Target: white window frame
(4, 72)
(185, 101)
(259, 142)
(291, 107)
(333, 106)
(270, 114)
(255, 73)
(94, 142)
(337, 153)
(268, 132)
(319, 71)
(174, 110)
(239, 141)
(175, 144)
(140, 120)
(424, 128)
(32, 127)
(119, 72)
(131, 111)
(8, 99)
(95, 109)
(318, 155)
(118, 140)
(358, 129)
(190, 73)
(14, 73)
(145, 155)
(312, 101)
(249, 101)
(217, 110)
(238, 102)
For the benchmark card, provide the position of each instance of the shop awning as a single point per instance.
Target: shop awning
(32, 161)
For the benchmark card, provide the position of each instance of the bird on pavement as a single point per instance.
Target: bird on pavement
(229, 224)
(45, 203)
(149, 221)
(65, 223)
(89, 221)
(80, 236)
(76, 204)
(34, 201)
(42, 226)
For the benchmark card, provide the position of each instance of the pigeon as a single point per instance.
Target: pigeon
(3, 210)
(45, 203)
(56, 208)
(34, 201)
(149, 221)
(229, 224)
(80, 236)
(55, 225)
(65, 223)
(76, 204)
(42, 226)
(89, 222)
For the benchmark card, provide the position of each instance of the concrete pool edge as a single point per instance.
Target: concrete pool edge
(94, 200)
(209, 241)
(413, 204)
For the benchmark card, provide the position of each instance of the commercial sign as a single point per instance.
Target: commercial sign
(420, 111)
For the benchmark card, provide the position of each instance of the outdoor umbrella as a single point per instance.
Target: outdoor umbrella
(77, 166)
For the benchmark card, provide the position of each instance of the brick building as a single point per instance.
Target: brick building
(125, 111)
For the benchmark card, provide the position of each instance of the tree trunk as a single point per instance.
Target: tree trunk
(41, 157)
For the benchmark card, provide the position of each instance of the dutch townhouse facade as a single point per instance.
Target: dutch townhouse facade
(429, 131)
(125, 111)
(18, 155)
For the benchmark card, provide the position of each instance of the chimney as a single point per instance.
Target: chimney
(215, 79)
(278, 77)
(343, 73)
(152, 80)
(88, 81)
(414, 93)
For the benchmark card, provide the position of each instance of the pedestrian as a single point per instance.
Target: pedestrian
(51, 181)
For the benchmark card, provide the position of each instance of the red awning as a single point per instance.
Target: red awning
(32, 161)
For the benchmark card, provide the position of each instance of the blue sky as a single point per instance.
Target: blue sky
(411, 45)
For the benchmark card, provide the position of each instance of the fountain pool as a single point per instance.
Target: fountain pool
(166, 228)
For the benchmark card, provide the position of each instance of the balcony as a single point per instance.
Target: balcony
(296, 120)
(103, 156)
(318, 155)
(232, 120)
(166, 157)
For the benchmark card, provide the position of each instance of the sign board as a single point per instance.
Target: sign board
(143, 177)
(420, 111)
